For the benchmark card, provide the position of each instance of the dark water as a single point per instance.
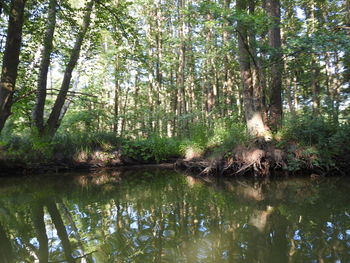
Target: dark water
(162, 216)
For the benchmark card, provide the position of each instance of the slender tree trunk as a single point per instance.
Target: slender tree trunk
(53, 121)
(227, 80)
(67, 103)
(191, 67)
(347, 54)
(180, 81)
(290, 97)
(336, 89)
(316, 89)
(253, 114)
(38, 111)
(11, 59)
(61, 230)
(174, 105)
(116, 95)
(274, 12)
(122, 128)
(159, 74)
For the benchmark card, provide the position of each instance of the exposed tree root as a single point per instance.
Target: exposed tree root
(260, 159)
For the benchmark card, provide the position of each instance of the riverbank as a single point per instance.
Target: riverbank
(307, 146)
(260, 159)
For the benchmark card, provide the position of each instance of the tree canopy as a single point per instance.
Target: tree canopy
(165, 67)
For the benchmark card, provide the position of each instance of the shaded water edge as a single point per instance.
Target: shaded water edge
(162, 216)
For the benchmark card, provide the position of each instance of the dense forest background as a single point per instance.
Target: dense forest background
(201, 70)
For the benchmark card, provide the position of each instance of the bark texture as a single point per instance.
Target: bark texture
(38, 111)
(252, 103)
(274, 12)
(11, 59)
(347, 54)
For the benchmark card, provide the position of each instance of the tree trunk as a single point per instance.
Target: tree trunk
(274, 12)
(38, 111)
(159, 74)
(116, 95)
(347, 54)
(11, 59)
(53, 121)
(258, 76)
(253, 114)
(180, 80)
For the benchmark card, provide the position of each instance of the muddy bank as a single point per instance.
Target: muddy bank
(99, 160)
(259, 159)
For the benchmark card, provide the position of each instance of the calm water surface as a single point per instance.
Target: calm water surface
(162, 216)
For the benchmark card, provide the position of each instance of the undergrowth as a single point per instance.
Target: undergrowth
(309, 142)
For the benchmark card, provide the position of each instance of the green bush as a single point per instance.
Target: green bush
(320, 140)
(154, 148)
(308, 130)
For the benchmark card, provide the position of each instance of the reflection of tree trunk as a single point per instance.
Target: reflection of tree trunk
(159, 240)
(6, 253)
(279, 246)
(68, 215)
(40, 230)
(61, 230)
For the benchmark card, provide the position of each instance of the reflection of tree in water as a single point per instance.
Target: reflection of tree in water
(151, 217)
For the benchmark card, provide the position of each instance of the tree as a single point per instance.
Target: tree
(274, 12)
(347, 54)
(11, 59)
(38, 111)
(251, 96)
(55, 116)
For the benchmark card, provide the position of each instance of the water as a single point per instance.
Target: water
(162, 216)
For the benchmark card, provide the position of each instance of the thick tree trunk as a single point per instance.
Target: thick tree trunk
(11, 59)
(38, 111)
(274, 12)
(53, 121)
(252, 111)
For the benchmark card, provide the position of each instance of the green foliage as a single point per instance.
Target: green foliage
(308, 130)
(314, 142)
(72, 143)
(223, 136)
(153, 148)
(29, 148)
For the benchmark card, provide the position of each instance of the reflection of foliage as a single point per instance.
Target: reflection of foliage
(143, 216)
